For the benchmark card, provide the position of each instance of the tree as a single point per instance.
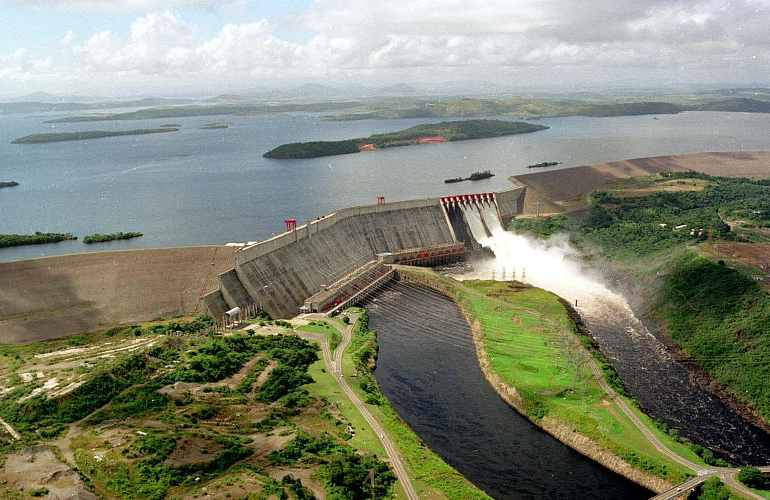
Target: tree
(752, 476)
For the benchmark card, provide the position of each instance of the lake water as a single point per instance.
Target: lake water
(213, 186)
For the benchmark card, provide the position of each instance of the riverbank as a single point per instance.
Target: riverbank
(440, 480)
(584, 419)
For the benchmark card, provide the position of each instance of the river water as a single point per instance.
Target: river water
(213, 186)
(427, 368)
(652, 376)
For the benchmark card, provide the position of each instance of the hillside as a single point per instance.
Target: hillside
(699, 245)
(92, 134)
(419, 134)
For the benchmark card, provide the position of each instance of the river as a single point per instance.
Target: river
(433, 380)
(213, 186)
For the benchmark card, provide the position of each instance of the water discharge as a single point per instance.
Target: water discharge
(662, 385)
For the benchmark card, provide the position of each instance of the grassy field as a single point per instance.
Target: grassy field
(332, 334)
(529, 342)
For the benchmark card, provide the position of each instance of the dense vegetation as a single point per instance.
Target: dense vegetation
(8, 184)
(719, 315)
(312, 149)
(753, 478)
(714, 489)
(12, 240)
(99, 238)
(447, 131)
(346, 474)
(91, 134)
(544, 164)
(475, 176)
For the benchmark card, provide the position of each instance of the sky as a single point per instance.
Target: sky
(171, 47)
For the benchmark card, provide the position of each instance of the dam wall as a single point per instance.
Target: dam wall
(59, 296)
(280, 273)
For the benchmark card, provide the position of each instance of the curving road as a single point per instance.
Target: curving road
(333, 364)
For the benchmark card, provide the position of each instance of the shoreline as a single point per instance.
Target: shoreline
(557, 429)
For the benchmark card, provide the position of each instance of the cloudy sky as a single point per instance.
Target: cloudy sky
(130, 47)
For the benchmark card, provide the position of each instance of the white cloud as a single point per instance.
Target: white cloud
(68, 38)
(20, 66)
(123, 5)
(543, 40)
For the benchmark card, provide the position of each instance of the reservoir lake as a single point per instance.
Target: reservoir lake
(213, 186)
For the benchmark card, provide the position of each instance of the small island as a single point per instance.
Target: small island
(544, 164)
(91, 134)
(100, 238)
(475, 176)
(14, 240)
(8, 184)
(211, 126)
(421, 134)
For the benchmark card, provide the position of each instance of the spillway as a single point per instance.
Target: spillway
(663, 386)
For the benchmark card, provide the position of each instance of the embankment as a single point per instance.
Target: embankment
(553, 426)
(53, 297)
(552, 191)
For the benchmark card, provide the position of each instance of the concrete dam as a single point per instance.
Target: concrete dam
(327, 261)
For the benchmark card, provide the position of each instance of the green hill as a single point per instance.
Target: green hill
(432, 132)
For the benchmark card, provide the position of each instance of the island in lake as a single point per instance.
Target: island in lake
(421, 134)
(475, 176)
(544, 164)
(13, 240)
(9, 184)
(100, 238)
(90, 134)
(210, 126)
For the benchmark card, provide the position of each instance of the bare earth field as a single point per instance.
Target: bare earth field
(58, 296)
(570, 183)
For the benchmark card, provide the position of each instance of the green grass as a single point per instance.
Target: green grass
(324, 386)
(332, 334)
(762, 493)
(524, 343)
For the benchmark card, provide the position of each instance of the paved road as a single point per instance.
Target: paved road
(10, 429)
(333, 364)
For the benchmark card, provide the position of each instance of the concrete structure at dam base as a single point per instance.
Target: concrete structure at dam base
(56, 297)
(332, 260)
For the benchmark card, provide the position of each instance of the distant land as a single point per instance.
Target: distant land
(13, 240)
(100, 238)
(210, 126)
(46, 107)
(544, 164)
(420, 134)
(528, 107)
(92, 134)
(475, 176)
(9, 184)
(207, 110)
